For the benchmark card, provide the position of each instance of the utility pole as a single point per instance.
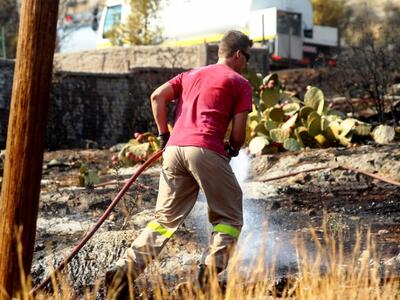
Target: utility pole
(25, 140)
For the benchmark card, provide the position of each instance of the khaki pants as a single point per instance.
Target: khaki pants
(185, 170)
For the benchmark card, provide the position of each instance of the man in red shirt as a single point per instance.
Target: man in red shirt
(196, 157)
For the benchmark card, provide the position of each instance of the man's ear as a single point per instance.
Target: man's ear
(237, 54)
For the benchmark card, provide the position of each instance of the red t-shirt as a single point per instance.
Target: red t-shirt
(208, 98)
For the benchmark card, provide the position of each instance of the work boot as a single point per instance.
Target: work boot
(117, 283)
(204, 276)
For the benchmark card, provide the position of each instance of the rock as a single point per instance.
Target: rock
(128, 171)
(383, 134)
(117, 147)
(55, 163)
(89, 144)
(62, 225)
(46, 182)
(297, 179)
(395, 89)
(393, 262)
(382, 232)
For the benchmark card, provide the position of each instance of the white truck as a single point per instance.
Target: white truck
(284, 26)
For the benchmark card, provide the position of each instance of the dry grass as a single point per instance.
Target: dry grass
(327, 273)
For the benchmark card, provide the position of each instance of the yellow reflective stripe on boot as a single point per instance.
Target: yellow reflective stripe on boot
(160, 229)
(227, 229)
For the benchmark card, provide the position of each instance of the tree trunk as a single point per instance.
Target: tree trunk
(26, 132)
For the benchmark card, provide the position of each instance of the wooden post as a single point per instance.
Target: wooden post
(25, 139)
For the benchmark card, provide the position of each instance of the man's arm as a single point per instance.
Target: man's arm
(238, 133)
(159, 99)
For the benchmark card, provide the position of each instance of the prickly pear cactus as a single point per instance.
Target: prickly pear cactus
(271, 90)
(291, 144)
(279, 135)
(88, 177)
(257, 144)
(137, 150)
(315, 99)
(297, 124)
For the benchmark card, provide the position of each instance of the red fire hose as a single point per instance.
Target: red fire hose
(106, 213)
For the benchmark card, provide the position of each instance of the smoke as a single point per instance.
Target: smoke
(240, 166)
(259, 239)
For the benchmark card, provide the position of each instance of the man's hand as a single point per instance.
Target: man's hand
(230, 151)
(164, 137)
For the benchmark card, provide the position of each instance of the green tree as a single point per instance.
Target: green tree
(9, 20)
(390, 24)
(328, 12)
(141, 27)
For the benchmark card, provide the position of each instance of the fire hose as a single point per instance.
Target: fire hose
(372, 175)
(101, 220)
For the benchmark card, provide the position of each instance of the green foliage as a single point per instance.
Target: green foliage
(141, 27)
(275, 114)
(87, 177)
(279, 135)
(271, 94)
(328, 13)
(291, 144)
(258, 144)
(314, 124)
(9, 21)
(314, 98)
(291, 108)
(300, 124)
(289, 124)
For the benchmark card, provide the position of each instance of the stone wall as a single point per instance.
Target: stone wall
(85, 108)
(6, 78)
(104, 108)
(121, 59)
(106, 98)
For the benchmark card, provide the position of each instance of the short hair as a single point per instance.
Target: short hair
(233, 41)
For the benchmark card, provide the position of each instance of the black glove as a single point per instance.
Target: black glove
(230, 151)
(164, 137)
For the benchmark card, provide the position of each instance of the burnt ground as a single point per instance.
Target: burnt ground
(345, 201)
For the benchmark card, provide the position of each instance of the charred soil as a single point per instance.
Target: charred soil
(341, 202)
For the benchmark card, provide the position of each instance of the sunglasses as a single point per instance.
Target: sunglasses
(245, 54)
